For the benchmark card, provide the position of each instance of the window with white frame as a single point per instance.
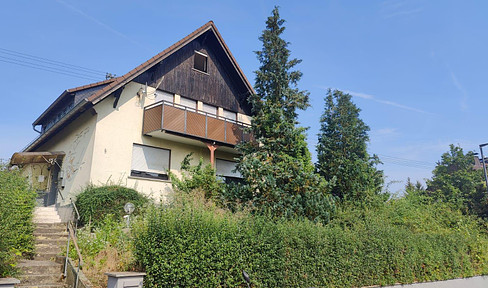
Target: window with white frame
(200, 61)
(150, 162)
(226, 168)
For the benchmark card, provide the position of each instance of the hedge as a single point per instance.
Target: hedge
(17, 202)
(197, 245)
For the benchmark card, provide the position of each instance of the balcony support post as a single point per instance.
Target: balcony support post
(212, 147)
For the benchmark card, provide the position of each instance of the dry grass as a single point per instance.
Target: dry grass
(107, 260)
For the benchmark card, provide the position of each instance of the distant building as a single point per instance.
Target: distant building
(131, 130)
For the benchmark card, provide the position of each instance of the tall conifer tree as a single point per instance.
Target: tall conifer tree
(276, 166)
(342, 151)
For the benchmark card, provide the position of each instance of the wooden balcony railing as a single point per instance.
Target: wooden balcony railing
(189, 122)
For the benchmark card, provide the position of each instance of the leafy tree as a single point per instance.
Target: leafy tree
(341, 151)
(277, 166)
(456, 181)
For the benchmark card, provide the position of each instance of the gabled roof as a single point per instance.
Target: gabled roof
(70, 91)
(120, 81)
(107, 87)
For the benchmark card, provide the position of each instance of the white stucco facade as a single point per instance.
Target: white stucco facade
(98, 147)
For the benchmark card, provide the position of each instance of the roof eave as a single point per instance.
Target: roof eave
(67, 92)
(81, 107)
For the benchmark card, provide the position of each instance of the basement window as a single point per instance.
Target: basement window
(200, 62)
(150, 162)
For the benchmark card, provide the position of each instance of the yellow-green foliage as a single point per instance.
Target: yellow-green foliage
(195, 244)
(17, 202)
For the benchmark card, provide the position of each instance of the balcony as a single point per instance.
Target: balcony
(187, 122)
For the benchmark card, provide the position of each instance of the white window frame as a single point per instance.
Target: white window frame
(150, 162)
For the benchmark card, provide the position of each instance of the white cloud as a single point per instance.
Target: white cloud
(107, 27)
(460, 88)
(385, 132)
(386, 102)
(395, 8)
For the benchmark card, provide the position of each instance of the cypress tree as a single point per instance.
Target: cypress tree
(342, 155)
(277, 169)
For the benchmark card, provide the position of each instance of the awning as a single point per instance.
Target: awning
(21, 158)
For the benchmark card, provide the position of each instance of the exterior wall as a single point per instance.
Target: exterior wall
(118, 129)
(32, 172)
(76, 140)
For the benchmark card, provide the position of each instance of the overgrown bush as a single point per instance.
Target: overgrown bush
(194, 244)
(17, 202)
(94, 203)
(198, 176)
(107, 248)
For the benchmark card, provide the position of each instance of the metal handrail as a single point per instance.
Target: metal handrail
(72, 235)
(164, 102)
(76, 210)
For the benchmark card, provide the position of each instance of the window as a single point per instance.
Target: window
(209, 109)
(226, 168)
(163, 95)
(189, 103)
(150, 162)
(200, 62)
(230, 115)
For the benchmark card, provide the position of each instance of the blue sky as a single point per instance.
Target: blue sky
(417, 69)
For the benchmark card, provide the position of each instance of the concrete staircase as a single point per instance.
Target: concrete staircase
(43, 271)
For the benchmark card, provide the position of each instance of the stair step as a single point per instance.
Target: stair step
(53, 234)
(53, 221)
(46, 256)
(37, 279)
(50, 249)
(51, 242)
(50, 231)
(50, 226)
(36, 267)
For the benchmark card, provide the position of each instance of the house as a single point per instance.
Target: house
(131, 130)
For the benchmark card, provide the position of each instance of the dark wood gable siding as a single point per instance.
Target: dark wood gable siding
(220, 86)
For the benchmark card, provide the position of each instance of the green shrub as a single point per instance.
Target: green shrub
(96, 202)
(198, 176)
(17, 202)
(194, 244)
(198, 245)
